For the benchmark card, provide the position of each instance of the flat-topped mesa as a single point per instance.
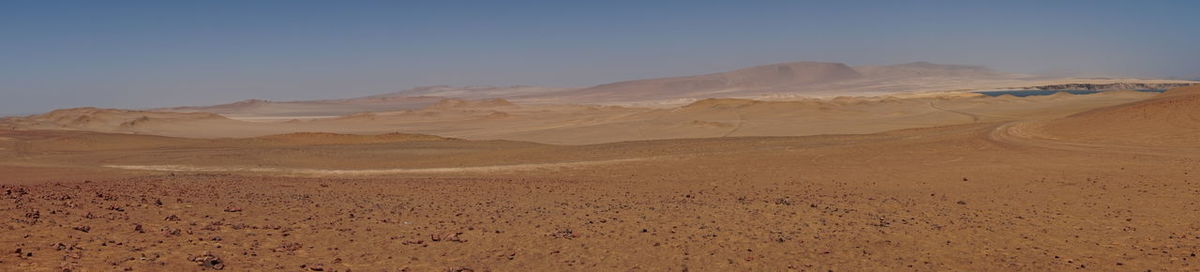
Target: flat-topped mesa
(1111, 86)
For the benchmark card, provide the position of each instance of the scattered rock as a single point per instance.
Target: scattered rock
(313, 267)
(288, 247)
(564, 233)
(450, 237)
(209, 261)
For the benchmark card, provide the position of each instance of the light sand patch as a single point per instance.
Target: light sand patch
(278, 118)
(354, 172)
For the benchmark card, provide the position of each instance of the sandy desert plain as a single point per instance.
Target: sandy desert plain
(789, 167)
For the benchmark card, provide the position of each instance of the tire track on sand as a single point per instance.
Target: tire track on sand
(974, 117)
(1020, 133)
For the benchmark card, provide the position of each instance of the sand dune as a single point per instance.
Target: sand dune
(114, 120)
(1170, 119)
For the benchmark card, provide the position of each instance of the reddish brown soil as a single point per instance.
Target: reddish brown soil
(978, 197)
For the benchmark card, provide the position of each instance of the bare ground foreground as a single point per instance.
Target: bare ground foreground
(1111, 187)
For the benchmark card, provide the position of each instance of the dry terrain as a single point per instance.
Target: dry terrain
(1102, 182)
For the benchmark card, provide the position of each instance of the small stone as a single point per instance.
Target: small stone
(210, 261)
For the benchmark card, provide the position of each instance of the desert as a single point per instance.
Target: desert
(972, 182)
(488, 136)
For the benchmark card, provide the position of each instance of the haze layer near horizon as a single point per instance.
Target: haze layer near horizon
(138, 54)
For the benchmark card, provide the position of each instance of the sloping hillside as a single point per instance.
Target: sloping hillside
(1172, 118)
(758, 77)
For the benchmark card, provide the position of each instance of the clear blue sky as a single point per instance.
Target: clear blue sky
(138, 54)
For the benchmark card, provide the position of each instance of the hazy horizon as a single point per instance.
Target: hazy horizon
(143, 54)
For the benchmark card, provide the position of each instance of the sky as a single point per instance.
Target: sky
(144, 54)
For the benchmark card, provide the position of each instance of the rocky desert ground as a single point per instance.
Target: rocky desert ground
(943, 181)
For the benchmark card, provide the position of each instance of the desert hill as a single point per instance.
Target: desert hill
(926, 69)
(798, 80)
(781, 81)
(415, 98)
(1172, 118)
(257, 108)
(112, 120)
(500, 119)
(758, 77)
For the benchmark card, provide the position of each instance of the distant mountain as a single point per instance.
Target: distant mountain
(774, 81)
(758, 77)
(792, 78)
(925, 69)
